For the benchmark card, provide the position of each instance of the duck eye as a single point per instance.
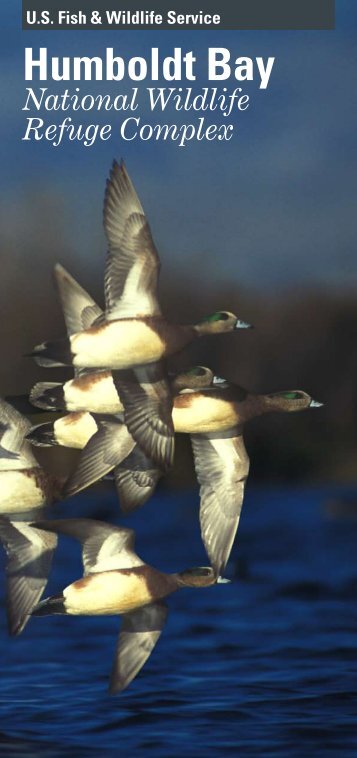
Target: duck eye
(224, 316)
(201, 571)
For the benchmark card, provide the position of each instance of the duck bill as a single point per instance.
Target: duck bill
(315, 404)
(218, 381)
(242, 325)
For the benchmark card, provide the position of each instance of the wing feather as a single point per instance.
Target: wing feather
(15, 451)
(79, 308)
(139, 634)
(136, 479)
(103, 451)
(146, 397)
(105, 547)
(132, 264)
(29, 559)
(222, 467)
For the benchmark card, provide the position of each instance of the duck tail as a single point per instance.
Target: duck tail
(48, 395)
(42, 435)
(52, 354)
(52, 605)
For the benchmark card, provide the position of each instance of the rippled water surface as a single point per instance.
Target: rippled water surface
(262, 666)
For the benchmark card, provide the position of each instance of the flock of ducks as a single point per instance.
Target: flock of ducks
(122, 409)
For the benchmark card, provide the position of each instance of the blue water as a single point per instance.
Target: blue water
(262, 666)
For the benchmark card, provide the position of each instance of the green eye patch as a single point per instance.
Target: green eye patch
(196, 371)
(219, 316)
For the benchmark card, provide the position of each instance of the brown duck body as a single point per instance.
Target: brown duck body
(74, 430)
(193, 412)
(92, 392)
(117, 591)
(212, 411)
(128, 342)
(24, 489)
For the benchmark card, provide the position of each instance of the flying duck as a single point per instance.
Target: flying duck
(133, 335)
(214, 417)
(77, 427)
(215, 421)
(25, 489)
(117, 582)
(109, 445)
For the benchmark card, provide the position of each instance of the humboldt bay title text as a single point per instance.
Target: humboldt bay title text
(213, 111)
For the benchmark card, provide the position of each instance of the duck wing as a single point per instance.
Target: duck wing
(103, 451)
(15, 451)
(29, 559)
(132, 263)
(79, 308)
(104, 547)
(222, 467)
(138, 636)
(80, 311)
(136, 479)
(147, 400)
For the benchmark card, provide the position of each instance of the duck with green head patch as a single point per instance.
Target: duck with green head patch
(117, 582)
(132, 331)
(222, 464)
(133, 337)
(215, 418)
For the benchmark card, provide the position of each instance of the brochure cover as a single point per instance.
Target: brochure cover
(177, 489)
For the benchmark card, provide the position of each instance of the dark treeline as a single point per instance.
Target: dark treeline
(302, 340)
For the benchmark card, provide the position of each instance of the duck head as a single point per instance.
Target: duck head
(221, 321)
(289, 401)
(196, 378)
(203, 576)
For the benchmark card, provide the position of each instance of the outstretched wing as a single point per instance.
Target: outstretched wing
(15, 451)
(80, 311)
(222, 466)
(132, 264)
(105, 547)
(79, 308)
(146, 397)
(138, 636)
(105, 450)
(29, 558)
(135, 478)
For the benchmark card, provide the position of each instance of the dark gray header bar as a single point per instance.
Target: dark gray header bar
(180, 14)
